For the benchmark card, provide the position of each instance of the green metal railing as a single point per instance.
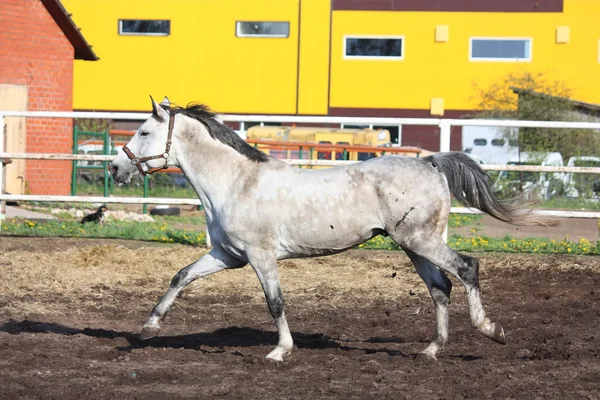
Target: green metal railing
(106, 150)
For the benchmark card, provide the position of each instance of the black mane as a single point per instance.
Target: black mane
(219, 131)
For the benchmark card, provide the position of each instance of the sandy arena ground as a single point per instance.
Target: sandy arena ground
(70, 312)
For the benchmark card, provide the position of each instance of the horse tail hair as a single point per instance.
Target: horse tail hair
(472, 187)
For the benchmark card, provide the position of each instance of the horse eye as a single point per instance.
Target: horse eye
(144, 133)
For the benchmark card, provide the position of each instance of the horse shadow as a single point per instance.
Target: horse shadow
(206, 342)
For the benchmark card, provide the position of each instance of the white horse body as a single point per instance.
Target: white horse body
(259, 210)
(301, 213)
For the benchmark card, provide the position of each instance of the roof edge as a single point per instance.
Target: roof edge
(580, 105)
(83, 50)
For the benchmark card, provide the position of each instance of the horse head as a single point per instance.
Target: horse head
(149, 150)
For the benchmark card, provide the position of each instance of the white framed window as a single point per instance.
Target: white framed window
(374, 47)
(262, 29)
(144, 27)
(499, 49)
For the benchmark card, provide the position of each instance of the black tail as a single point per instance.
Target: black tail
(472, 187)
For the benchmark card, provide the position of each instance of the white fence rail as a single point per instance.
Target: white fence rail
(445, 126)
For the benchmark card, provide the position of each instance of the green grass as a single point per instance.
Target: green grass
(165, 230)
(86, 189)
(148, 231)
(571, 204)
(509, 244)
(506, 244)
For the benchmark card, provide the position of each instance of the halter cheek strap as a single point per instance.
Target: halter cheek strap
(137, 161)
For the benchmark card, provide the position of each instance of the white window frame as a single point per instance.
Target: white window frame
(497, 38)
(246, 35)
(121, 33)
(379, 58)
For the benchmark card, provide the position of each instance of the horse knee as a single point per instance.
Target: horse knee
(276, 303)
(468, 270)
(180, 278)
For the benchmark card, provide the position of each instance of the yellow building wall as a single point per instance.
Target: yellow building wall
(314, 57)
(201, 60)
(443, 70)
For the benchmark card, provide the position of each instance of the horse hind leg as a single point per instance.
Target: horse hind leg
(439, 288)
(468, 273)
(209, 264)
(466, 270)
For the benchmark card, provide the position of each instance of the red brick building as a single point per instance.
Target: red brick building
(38, 43)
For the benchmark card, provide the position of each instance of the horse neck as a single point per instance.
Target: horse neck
(212, 168)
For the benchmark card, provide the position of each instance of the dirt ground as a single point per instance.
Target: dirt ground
(566, 228)
(71, 309)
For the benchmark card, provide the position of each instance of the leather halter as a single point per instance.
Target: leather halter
(137, 161)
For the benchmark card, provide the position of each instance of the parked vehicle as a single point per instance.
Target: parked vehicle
(541, 184)
(582, 185)
(488, 144)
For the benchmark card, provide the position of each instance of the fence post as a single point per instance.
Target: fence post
(75, 151)
(105, 163)
(444, 136)
(400, 135)
(445, 146)
(145, 206)
(2, 202)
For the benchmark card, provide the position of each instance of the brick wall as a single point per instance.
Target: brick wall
(36, 53)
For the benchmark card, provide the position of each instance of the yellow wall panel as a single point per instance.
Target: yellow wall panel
(314, 57)
(431, 69)
(437, 106)
(441, 33)
(202, 59)
(562, 34)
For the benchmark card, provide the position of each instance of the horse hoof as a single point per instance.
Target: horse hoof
(277, 355)
(425, 358)
(496, 333)
(148, 332)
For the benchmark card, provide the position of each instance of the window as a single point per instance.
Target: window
(391, 48)
(140, 27)
(480, 142)
(262, 29)
(494, 49)
(498, 142)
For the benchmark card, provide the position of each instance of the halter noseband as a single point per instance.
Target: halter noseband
(137, 161)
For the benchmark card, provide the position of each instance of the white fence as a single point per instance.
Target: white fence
(445, 126)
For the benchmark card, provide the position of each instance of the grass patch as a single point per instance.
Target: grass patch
(506, 244)
(148, 231)
(173, 192)
(165, 231)
(509, 244)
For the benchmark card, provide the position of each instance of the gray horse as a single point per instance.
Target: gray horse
(260, 210)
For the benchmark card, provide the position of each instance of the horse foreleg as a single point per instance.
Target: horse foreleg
(439, 288)
(212, 262)
(268, 275)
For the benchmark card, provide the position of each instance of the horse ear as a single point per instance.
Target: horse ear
(165, 102)
(158, 112)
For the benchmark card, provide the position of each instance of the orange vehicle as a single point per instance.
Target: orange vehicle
(345, 144)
